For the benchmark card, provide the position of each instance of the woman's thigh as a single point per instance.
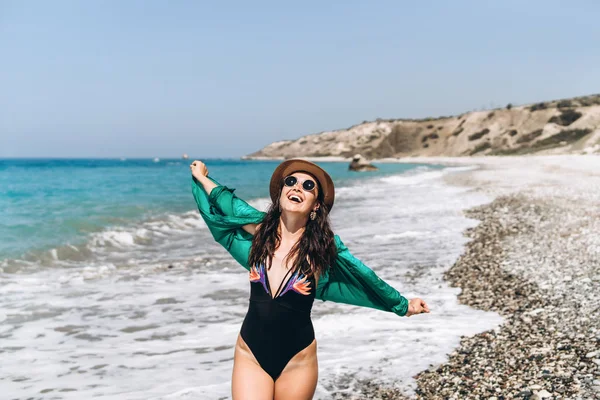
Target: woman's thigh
(298, 380)
(249, 381)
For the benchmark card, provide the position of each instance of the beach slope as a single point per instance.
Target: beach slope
(535, 259)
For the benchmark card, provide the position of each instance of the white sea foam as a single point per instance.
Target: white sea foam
(392, 236)
(154, 310)
(113, 239)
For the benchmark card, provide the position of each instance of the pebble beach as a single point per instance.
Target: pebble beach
(534, 258)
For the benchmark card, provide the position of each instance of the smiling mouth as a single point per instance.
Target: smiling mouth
(295, 199)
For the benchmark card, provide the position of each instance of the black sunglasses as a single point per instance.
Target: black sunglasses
(308, 184)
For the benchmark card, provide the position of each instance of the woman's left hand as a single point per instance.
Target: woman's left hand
(417, 306)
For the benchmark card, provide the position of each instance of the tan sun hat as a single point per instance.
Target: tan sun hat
(288, 167)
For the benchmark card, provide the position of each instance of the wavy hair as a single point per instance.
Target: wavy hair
(312, 255)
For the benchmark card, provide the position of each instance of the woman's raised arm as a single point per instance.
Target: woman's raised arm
(200, 172)
(226, 215)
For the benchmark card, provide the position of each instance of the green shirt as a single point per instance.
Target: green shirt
(349, 281)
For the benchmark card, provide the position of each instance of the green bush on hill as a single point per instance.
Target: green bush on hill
(481, 147)
(479, 134)
(528, 137)
(457, 131)
(566, 117)
(569, 136)
(538, 106)
(564, 104)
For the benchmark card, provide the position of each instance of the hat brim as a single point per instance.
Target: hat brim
(298, 165)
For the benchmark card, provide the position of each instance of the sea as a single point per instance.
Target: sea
(111, 286)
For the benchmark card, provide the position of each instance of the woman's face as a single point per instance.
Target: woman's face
(296, 198)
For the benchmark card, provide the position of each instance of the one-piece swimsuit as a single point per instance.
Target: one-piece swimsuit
(277, 327)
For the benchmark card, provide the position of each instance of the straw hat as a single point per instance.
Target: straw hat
(288, 167)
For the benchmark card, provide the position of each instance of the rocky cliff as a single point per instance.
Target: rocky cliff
(559, 126)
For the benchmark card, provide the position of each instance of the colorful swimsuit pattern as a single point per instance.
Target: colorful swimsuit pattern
(299, 283)
(277, 327)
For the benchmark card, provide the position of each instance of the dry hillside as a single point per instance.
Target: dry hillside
(559, 126)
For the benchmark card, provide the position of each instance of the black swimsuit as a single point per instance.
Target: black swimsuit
(279, 327)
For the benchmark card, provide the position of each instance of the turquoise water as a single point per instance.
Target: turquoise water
(47, 203)
(112, 287)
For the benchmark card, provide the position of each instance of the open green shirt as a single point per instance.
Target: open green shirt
(349, 281)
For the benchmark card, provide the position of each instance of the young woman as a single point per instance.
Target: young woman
(293, 257)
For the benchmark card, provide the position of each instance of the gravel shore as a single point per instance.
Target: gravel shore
(534, 259)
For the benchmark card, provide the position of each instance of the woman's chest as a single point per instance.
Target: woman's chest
(279, 278)
(279, 270)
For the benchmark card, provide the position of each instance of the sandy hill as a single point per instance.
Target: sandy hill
(559, 126)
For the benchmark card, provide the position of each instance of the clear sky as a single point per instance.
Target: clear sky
(225, 78)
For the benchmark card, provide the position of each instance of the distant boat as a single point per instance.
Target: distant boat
(156, 159)
(123, 159)
(185, 156)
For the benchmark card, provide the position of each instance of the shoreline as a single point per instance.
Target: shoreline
(535, 259)
(210, 282)
(449, 161)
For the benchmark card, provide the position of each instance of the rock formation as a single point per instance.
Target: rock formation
(560, 126)
(359, 163)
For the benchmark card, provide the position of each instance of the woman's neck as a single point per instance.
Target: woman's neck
(291, 228)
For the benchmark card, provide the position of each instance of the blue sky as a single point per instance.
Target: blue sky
(224, 79)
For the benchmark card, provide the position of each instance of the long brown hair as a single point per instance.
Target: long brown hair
(313, 253)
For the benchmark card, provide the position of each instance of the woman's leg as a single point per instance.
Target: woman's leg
(249, 380)
(298, 380)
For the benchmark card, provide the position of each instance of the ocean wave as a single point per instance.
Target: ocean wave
(162, 295)
(122, 244)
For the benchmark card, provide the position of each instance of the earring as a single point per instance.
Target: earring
(313, 215)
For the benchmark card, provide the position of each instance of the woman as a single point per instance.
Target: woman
(293, 257)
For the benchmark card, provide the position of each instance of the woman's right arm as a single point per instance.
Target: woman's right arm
(200, 172)
(226, 227)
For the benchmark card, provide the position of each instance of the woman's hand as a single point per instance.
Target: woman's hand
(199, 169)
(417, 306)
